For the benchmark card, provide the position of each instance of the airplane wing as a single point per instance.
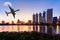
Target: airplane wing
(9, 7)
(16, 10)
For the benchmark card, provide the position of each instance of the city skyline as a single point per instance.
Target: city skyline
(28, 8)
(45, 17)
(42, 22)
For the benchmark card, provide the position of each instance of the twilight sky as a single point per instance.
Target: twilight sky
(27, 8)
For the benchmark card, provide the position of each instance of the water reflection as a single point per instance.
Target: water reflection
(50, 29)
(55, 29)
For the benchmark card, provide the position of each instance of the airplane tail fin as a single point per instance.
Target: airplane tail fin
(6, 13)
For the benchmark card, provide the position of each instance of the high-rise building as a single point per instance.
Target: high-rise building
(34, 21)
(42, 20)
(54, 19)
(49, 17)
(18, 22)
(54, 26)
(39, 18)
(44, 16)
(42, 27)
(59, 23)
(59, 19)
(36, 18)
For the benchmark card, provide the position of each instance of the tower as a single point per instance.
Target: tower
(49, 17)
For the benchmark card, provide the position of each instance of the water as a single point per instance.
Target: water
(21, 28)
(16, 28)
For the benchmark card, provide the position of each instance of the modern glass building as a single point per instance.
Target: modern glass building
(34, 21)
(49, 17)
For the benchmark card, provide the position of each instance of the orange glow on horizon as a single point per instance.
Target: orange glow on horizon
(15, 28)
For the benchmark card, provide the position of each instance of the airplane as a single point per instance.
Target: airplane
(12, 11)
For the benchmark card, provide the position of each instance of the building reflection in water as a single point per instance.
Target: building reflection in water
(55, 29)
(18, 28)
(50, 29)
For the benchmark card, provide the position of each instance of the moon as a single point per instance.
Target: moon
(7, 3)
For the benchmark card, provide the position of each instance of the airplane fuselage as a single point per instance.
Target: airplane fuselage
(13, 13)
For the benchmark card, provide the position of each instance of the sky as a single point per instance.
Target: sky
(28, 8)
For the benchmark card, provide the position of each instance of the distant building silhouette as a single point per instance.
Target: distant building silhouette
(54, 26)
(44, 21)
(12, 22)
(59, 23)
(29, 21)
(12, 26)
(54, 19)
(34, 21)
(49, 17)
(40, 18)
(36, 18)
(44, 16)
(3, 22)
(18, 21)
(58, 19)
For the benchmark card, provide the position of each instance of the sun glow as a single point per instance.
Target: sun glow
(7, 3)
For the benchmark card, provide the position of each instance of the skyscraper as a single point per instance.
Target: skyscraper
(49, 17)
(34, 21)
(59, 23)
(54, 26)
(59, 19)
(18, 22)
(54, 19)
(44, 16)
(39, 18)
(40, 29)
(42, 20)
(36, 18)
